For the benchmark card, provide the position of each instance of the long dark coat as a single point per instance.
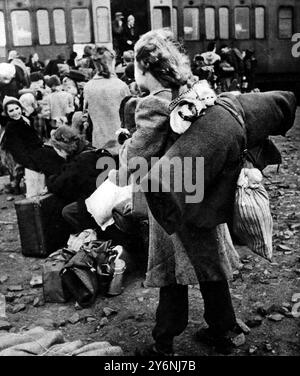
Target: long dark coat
(168, 262)
(219, 138)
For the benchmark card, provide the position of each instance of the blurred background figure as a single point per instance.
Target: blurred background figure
(127, 58)
(61, 103)
(22, 75)
(118, 32)
(53, 65)
(34, 63)
(130, 33)
(72, 60)
(250, 65)
(200, 70)
(226, 73)
(102, 98)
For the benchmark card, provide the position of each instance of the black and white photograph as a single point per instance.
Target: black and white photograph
(150, 181)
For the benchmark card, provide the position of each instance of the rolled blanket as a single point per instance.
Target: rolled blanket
(13, 339)
(36, 346)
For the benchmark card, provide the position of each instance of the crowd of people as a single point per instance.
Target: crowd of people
(229, 70)
(59, 118)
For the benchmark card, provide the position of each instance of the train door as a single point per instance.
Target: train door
(161, 14)
(101, 11)
(2, 33)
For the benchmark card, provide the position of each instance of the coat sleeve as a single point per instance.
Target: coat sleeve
(149, 139)
(65, 184)
(16, 147)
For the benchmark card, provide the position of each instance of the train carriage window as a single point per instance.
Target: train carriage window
(161, 17)
(191, 23)
(102, 15)
(241, 23)
(224, 23)
(42, 17)
(59, 26)
(21, 28)
(210, 26)
(175, 23)
(81, 25)
(285, 22)
(259, 23)
(2, 31)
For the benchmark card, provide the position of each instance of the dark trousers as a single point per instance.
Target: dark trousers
(172, 311)
(78, 219)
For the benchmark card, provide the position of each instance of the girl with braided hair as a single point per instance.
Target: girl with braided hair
(103, 95)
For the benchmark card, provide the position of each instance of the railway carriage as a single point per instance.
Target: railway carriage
(59, 26)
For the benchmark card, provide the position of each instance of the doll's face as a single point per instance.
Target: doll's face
(14, 111)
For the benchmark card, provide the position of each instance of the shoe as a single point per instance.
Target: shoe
(221, 343)
(151, 351)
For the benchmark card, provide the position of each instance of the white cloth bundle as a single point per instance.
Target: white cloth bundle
(35, 183)
(104, 199)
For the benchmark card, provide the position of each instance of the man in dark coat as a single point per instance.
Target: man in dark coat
(130, 33)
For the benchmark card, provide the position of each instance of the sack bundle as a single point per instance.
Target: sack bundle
(252, 222)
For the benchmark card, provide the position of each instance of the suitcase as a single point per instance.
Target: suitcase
(41, 225)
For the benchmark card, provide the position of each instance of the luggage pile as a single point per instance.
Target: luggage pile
(82, 274)
(40, 342)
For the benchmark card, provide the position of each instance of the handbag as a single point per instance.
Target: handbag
(89, 271)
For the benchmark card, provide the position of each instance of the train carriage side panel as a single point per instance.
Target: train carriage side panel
(3, 32)
(102, 27)
(161, 14)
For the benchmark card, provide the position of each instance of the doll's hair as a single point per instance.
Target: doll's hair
(103, 59)
(158, 53)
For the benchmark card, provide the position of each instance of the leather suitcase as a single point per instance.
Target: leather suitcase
(41, 225)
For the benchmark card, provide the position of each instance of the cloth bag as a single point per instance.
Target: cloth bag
(35, 183)
(252, 221)
(89, 271)
(53, 289)
(101, 203)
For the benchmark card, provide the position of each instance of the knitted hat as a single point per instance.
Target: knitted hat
(53, 81)
(66, 139)
(10, 100)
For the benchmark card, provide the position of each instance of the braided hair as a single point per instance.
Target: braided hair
(158, 53)
(103, 60)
